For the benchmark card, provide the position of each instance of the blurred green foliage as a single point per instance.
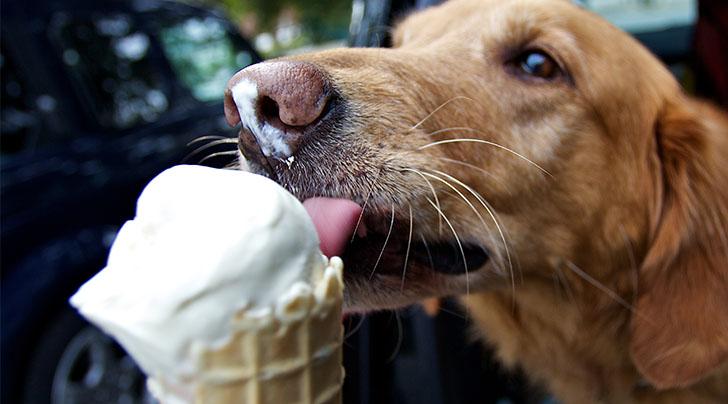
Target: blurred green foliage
(322, 20)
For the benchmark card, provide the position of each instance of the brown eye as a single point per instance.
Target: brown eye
(538, 64)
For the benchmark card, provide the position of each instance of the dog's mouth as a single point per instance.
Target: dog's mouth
(386, 262)
(374, 254)
(374, 246)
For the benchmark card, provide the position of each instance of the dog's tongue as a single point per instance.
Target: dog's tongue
(335, 221)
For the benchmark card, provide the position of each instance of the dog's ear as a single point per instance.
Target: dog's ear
(680, 324)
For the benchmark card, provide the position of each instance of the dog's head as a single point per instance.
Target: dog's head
(495, 142)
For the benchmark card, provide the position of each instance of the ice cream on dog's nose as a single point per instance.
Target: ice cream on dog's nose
(211, 258)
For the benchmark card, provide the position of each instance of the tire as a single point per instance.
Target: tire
(75, 363)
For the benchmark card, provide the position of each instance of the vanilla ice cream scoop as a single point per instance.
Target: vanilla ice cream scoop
(206, 236)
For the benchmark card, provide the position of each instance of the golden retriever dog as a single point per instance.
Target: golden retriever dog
(533, 159)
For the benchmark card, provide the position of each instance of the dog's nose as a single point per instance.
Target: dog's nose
(277, 102)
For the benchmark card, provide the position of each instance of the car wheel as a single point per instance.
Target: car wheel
(75, 363)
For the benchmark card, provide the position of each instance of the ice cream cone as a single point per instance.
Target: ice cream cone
(289, 355)
(219, 291)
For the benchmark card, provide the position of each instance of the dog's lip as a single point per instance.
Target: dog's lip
(379, 251)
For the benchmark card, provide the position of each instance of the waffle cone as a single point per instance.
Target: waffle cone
(290, 355)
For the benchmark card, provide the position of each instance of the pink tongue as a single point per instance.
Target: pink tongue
(335, 220)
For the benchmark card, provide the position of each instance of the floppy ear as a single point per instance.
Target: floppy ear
(680, 325)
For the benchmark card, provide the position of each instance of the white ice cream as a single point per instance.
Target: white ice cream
(222, 239)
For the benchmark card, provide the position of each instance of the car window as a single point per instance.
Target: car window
(203, 55)
(637, 16)
(112, 61)
(279, 27)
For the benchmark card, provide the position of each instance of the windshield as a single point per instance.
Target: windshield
(203, 55)
(121, 62)
(110, 58)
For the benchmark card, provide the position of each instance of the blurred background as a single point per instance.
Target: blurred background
(100, 96)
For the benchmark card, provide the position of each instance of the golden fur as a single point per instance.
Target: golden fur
(610, 281)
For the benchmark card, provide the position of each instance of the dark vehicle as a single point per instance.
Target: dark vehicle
(97, 98)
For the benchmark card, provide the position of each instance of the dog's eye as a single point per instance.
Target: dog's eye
(537, 64)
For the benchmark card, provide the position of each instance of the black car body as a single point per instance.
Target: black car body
(98, 97)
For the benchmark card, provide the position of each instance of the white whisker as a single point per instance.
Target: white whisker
(460, 245)
(356, 327)
(463, 197)
(614, 296)
(632, 262)
(454, 128)
(456, 314)
(409, 244)
(213, 155)
(439, 108)
(224, 139)
(234, 165)
(361, 215)
(563, 280)
(473, 166)
(447, 141)
(720, 227)
(400, 338)
(207, 146)
(386, 240)
(492, 214)
(427, 250)
(364, 206)
(599, 285)
(434, 194)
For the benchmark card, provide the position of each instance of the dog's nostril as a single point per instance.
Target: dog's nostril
(293, 95)
(269, 110)
(289, 97)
